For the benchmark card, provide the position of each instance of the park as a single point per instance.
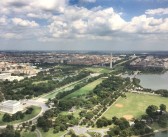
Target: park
(133, 106)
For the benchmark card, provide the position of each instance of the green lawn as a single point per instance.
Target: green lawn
(51, 134)
(86, 89)
(75, 113)
(134, 105)
(99, 70)
(39, 82)
(35, 112)
(28, 134)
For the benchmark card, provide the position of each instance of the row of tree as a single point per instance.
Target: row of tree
(27, 89)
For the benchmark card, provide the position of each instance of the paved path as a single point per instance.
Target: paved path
(107, 108)
(80, 130)
(101, 131)
(38, 133)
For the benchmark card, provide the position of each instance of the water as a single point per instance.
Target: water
(154, 81)
(160, 134)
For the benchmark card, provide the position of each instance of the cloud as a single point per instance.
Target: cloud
(81, 22)
(10, 36)
(49, 4)
(39, 15)
(59, 20)
(24, 23)
(3, 20)
(92, 1)
(32, 6)
(159, 11)
(103, 23)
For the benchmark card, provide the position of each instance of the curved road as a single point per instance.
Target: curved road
(38, 133)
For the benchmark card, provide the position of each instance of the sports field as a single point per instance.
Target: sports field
(134, 105)
(86, 89)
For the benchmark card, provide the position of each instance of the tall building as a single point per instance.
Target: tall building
(111, 62)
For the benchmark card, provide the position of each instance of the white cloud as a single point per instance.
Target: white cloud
(60, 21)
(159, 11)
(144, 24)
(36, 7)
(3, 20)
(80, 22)
(10, 36)
(24, 23)
(39, 15)
(92, 1)
(49, 4)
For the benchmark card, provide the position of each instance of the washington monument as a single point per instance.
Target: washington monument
(111, 62)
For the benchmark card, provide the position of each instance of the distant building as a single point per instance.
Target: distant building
(10, 106)
(111, 62)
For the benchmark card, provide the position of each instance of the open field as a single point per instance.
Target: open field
(75, 113)
(28, 134)
(98, 70)
(86, 89)
(50, 133)
(134, 105)
(40, 82)
(35, 112)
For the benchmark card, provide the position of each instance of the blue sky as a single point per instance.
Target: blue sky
(84, 24)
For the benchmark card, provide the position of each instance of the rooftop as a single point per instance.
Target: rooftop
(10, 102)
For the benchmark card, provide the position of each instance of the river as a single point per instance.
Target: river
(154, 81)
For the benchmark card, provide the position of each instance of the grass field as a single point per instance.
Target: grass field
(134, 105)
(99, 70)
(75, 113)
(40, 82)
(50, 133)
(28, 134)
(35, 112)
(86, 89)
(64, 88)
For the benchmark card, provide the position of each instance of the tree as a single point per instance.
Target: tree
(1, 97)
(33, 128)
(163, 121)
(103, 122)
(163, 107)
(56, 129)
(151, 110)
(9, 132)
(6, 118)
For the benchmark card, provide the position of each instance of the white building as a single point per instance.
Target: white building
(10, 106)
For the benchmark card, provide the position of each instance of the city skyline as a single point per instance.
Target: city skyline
(84, 25)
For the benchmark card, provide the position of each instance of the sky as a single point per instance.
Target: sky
(107, 25)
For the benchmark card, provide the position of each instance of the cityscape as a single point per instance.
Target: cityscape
(83, 68)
